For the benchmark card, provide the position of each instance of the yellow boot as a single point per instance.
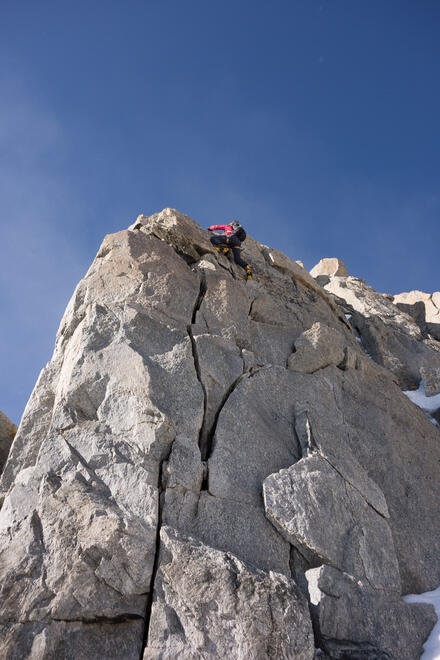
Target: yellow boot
(248, 272)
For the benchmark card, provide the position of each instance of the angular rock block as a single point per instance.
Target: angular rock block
(317, 348)
(356, 621)
(314, 508)
(209, 604)
(330, 266)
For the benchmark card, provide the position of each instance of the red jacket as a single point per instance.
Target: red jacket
(226, 228)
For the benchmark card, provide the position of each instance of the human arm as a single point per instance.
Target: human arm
(217, 227)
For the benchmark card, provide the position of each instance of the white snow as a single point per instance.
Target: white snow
(428, 404)
(359, 341)
(432, 645)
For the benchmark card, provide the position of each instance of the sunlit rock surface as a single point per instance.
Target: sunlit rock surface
(209, 463)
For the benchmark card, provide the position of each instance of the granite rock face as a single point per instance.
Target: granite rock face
(291, 498)
(208, 603)
(392, 330)
(424, 308)
(345, 609)
(317, 348)
(208, 464)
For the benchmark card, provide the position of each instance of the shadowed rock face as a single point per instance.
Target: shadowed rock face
(207, 463)
(399, 333)
(424, 308)
(7, 434)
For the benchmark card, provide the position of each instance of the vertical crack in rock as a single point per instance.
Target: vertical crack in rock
(365, 346)
(251, 308)
(303, 431)
(129, 277)
(199, 378)
(203, 287)
(149, 603)
(202, 291)
(207, 445)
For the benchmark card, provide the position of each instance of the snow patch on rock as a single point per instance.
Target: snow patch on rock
(432, 645)
(429, 404)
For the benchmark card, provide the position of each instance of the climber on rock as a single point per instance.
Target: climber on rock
(231, 238)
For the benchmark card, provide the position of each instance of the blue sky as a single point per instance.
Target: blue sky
(315, 123)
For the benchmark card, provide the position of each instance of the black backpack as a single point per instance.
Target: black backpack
(239, 232)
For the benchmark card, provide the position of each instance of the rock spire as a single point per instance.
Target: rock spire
(211, 467)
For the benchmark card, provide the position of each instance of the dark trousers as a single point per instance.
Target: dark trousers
(233, 243)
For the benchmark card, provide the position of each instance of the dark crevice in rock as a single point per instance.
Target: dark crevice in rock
(228, 270)
(199, 378)
(370, 348)
(202, 291)
(206, 435)
(253, 371)
(149, 603)
(304, 434)
(298, 565)
(205, 482)
(341, 306)
(345, 649)
(121, 618)
(251, 306)
(37, 529)
(207, 445)
(303, 559)
(231, 270)
(84, 463)
(198, 251)
(67, 329)
(319, 643)
(187, 258)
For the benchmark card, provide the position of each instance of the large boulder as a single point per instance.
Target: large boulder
(316, 348)
(290, 499)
